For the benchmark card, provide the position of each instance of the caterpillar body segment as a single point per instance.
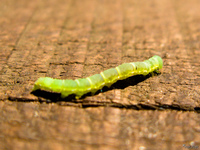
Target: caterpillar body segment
(93, 83)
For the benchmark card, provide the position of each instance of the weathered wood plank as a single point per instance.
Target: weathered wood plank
(50, 126)
(74, 39)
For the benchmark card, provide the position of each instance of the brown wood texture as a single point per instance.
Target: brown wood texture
(69, 39)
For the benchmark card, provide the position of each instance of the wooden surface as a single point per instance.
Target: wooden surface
(69, 39)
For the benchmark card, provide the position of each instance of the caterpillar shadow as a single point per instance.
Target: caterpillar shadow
(121, 84)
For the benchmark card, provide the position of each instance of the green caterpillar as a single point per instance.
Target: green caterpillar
(92, 84)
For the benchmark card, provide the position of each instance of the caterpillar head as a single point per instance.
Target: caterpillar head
(159, 60)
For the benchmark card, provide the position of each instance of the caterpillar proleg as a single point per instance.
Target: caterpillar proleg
(93, 83)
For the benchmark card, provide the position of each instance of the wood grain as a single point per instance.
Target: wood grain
(73, 39)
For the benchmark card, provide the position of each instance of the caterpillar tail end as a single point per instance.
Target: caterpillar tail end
(35, 88)
(42, 83)
(37, 85)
